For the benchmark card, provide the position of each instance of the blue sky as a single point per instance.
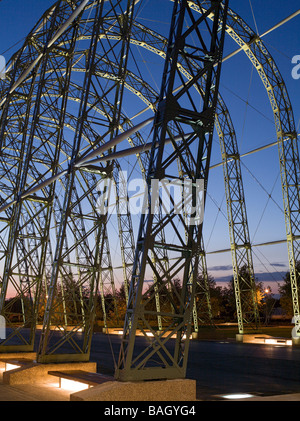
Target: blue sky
(251, 113)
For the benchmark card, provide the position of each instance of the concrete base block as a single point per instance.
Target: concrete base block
(33, 373)
(239, 337)
(21, 356)
(296, 341)
(163, 390)
(257, 338)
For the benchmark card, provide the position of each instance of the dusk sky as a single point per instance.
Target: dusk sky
(247, 101)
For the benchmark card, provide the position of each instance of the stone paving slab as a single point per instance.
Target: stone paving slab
(51, 392)
(37, 392)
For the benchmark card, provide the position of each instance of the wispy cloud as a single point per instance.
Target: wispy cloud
(279, 265)
(259, 276)
(216, 268)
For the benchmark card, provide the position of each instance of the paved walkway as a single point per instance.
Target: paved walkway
(39, 392)
(270, 373)
(51, 392)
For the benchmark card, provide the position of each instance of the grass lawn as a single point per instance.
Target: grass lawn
(220, 332)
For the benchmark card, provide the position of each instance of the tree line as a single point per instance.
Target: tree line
(110, 310)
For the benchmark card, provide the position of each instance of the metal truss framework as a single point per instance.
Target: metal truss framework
(82, 235)
(175, 111)
(30, 237)
(90, 185)
(287, 138)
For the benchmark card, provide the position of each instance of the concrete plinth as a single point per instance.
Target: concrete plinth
(252, 338)
(32, 373)
(163, 390)
(296, 341)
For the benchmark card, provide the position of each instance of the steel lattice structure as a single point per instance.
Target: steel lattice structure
(64, 97)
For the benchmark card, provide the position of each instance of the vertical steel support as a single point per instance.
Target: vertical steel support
(158, 361)
(45, 352)
(108, 18)
(202, 311)
(242, 263)
(288, 147)
(30, 219)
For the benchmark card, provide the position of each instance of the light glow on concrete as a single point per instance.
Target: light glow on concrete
(238, 396)
(72, 385)
(277, 342)
(9, 366)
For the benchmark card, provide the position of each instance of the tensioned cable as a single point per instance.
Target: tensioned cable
(282, 22)
(262, 263)
(267, 243)
(16, 43)
(246, 108)
(252, 11)
(49, 44)
(259, 183)
(265, 208)
(217, 215)
(263, 188)
(155, 21)
(141, 7)
(277, 50)
(147, 67)
(249, 104)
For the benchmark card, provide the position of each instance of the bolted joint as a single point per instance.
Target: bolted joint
(167, 110)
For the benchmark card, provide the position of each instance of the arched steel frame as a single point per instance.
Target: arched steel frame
(230, 156)
(151, 45)
(287, 139)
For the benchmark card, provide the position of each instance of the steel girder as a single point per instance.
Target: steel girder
(243, 271)
(127, 240)
(121, 15)
(239, 235)
(174, 110)
(17, 149)
(244, 280)
(20, 247)
(288, 148)
(69, 121)
(68, 147)
(205, 289)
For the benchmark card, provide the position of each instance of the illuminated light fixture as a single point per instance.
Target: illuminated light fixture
(238, 396)
(271, 342)
(184, 337)
(72, 385)
(9, 366)
(277, 342)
